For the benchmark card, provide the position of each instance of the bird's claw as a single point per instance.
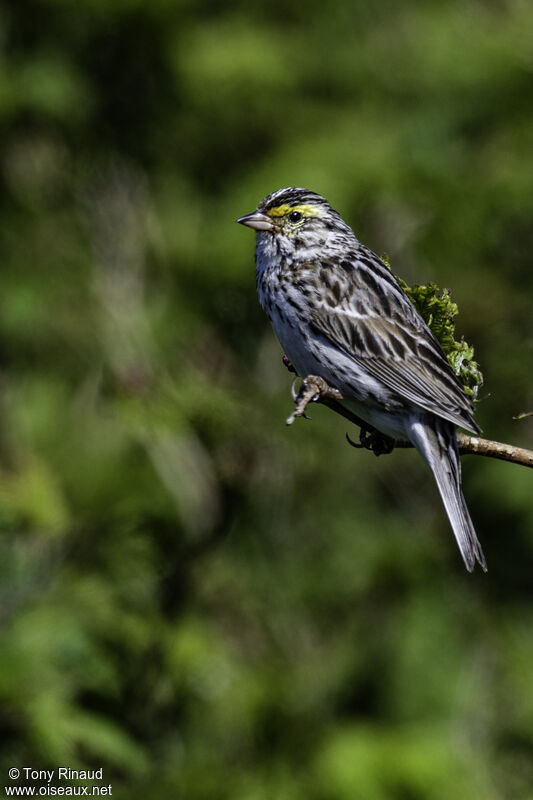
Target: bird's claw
(294, 393)
(373, 440)
(313, 387)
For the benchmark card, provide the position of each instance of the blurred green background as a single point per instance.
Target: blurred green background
(194, 597)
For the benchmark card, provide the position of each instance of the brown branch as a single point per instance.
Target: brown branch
(314, 389)
(487, 447)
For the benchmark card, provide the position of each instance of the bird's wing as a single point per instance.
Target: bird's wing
(365, 313)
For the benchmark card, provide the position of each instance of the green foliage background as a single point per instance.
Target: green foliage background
(197, 599)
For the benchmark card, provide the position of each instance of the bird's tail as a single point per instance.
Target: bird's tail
(437, 442)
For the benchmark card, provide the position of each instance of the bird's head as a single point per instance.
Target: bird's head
(297, 214)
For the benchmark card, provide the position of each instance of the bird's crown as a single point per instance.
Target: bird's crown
(290, 200)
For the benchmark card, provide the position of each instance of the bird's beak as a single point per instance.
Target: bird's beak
(257, 220)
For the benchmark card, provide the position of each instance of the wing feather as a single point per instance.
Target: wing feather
(375, 323)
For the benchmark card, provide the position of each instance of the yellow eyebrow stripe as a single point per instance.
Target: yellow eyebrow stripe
(281, 211)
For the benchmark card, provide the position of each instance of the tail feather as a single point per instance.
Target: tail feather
(436, 440)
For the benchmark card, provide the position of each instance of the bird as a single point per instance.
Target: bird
(339, 313)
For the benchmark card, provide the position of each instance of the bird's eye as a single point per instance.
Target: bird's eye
(295, 216)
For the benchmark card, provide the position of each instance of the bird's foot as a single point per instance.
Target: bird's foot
(313, 388)
(374, 440)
